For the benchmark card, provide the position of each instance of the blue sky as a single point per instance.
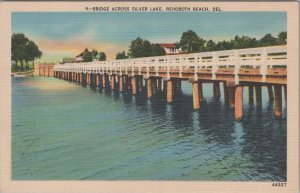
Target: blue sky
(66, 34)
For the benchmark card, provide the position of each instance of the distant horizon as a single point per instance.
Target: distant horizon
(65, 35)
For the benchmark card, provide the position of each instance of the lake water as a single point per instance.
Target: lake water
(63, 131)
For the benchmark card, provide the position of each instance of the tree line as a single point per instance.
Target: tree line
(190, 42)
(23, 51)
(89, 56)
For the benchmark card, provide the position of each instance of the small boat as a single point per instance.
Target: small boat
(19, 75)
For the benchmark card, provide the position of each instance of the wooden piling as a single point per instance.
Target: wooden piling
(112, 82)
(200, 89)
(169, 91)
(103, 80)
(133, 85)
(231, 96)
(196, 99)
(278, 100)
(121, 83)
(270, 92)
(149, 88)
(251, 93)
(285, 94)
(258, 95)
(216, 89)
(226, 94)
(238, 109)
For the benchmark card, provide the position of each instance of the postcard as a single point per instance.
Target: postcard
(149, 97)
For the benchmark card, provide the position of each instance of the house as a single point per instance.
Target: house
(79, 57)
(170, 49)
(68, 60)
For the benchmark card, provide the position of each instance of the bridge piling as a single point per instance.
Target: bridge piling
(250, 93)
(133, 85)
(196, 99)
(278, 100)
(226, 93)
(169, 91)
(112, 82)
(231, 96)
(149, 88)
(216, 89)
(238, 106)
(120, 83)
(270, 92)
(285, 94)
(258, 95)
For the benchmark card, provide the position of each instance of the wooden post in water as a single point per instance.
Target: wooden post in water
(97, 80)
(121, 83)
(285, 94)
(112, 82)
(270, 92)
(238, 109)
(226, 93)
(258, 95)
(278, 100)
(129, 85)
(216, 89)
(169, 91)
(251, 93)
(149, 88)
(140, 84)
(133, 85)
(103, 81)
(154, 85)
(196, 99)
(231, 96)
(159, 84)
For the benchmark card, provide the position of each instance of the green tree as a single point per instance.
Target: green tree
(32, 52)
(210, 45)
(143, 48)
(95, 54)
(87, 56)
(267, 40)
(190, 42)
(102, 56)
(23, 50)
(121, 55)
(157, 50)
(282, 36)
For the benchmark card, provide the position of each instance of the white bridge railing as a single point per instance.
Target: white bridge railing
(262, 57)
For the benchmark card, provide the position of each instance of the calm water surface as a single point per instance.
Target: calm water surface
(64, 131)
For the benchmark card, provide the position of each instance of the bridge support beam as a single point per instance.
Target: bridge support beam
(149, 88)
(285, 94)
(103, 81)
(169, 91)
(231, 96)
(196, 98)
(258, 95)
(120, 83)
(270, 92)
(200, 89)
(278, 100)
(177, 86)
(133, 85)
(97, 80)
(226, 93)
(251, 93)
(112, 82)
(238, 109)
(154, 86)
(216, 89)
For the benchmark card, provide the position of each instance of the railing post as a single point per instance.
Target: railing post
(237, 67)
(264, 65)
(214, 66)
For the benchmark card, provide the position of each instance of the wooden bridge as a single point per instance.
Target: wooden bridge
(235, 69)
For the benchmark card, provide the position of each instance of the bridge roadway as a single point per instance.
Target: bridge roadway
(235, 69)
